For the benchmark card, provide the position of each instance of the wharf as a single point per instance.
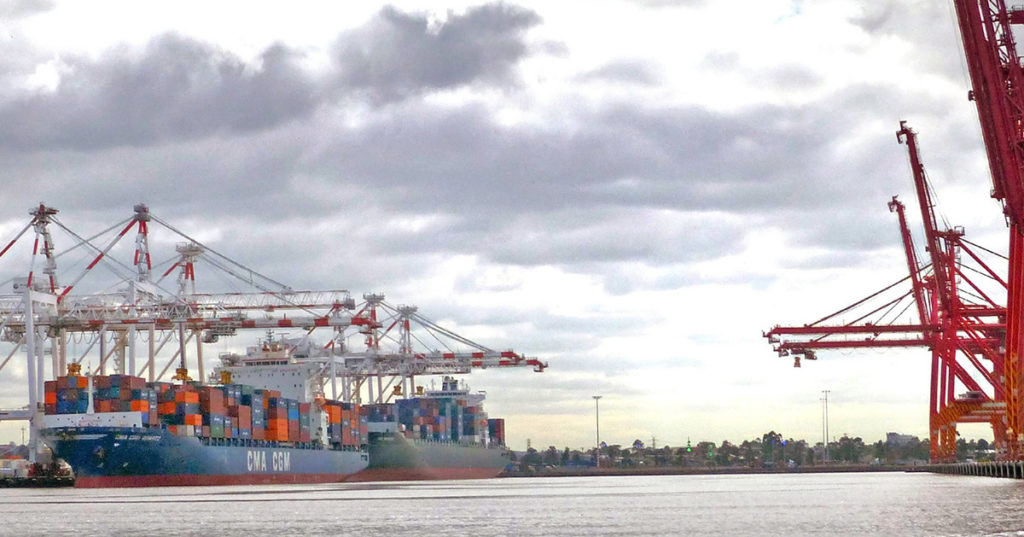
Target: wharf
(1007, 469)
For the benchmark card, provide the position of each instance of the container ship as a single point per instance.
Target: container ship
(442, 434)
(266, 422)
(121, 431)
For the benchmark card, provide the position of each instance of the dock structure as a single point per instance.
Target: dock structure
(1007, 469)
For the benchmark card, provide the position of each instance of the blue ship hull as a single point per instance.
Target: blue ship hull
(124, 456)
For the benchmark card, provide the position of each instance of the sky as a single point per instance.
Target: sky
(632, 191)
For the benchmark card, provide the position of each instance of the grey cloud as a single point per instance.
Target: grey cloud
(790, 77)
(22, 8)
(567, 194)
(550, 197)
(876, 16)
(180, 89)
(935, 47)
(630, 72)
(400, 54)
(683, 158)
(176, 89)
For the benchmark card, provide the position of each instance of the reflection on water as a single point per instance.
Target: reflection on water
(734, 505)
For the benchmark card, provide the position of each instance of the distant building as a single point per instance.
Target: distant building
(896, 439)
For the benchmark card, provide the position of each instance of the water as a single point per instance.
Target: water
(736, 505)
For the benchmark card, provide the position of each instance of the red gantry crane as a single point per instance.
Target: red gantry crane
(997, 81)
(989, 337)
(958, 320)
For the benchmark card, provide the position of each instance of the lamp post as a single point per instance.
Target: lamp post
(597, 423)
(824, 421)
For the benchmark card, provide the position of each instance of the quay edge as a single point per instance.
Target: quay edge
(1007, 469)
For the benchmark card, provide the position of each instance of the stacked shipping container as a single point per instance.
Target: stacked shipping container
(440, 419)
(496, 430)
(228, 411)
(346, 425)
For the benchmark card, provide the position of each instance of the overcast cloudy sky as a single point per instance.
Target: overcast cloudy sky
(631, 191)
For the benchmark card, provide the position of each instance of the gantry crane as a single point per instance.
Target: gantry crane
(45, 316)
(958, 320)
(997, 88)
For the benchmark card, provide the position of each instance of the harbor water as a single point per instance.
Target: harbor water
(891, 503)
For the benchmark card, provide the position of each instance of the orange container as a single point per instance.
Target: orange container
(193, 419)
(50, 398)
(186, 397)
(102, 406)
(139, 406)
(83, 382)
(166, 408)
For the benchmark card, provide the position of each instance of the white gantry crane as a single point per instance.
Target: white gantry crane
(140, 324)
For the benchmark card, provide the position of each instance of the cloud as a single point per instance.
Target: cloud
(175, 89)
(624, 71)
(399, 54)
(15, 9)
(936, 47)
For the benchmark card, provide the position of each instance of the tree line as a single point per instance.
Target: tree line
(772, 449)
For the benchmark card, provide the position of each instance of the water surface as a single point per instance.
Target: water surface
(732, 505)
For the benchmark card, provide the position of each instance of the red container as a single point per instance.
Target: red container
(244, 417)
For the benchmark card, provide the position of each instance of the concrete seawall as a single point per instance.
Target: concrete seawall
(1007, 469)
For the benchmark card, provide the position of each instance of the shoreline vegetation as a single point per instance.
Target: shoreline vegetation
(728, 470)
(771, 453)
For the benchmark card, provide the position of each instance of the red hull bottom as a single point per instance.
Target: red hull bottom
(206, 480)
(423, 474)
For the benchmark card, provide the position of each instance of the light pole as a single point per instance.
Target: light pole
(597, 423)
(824, 421)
